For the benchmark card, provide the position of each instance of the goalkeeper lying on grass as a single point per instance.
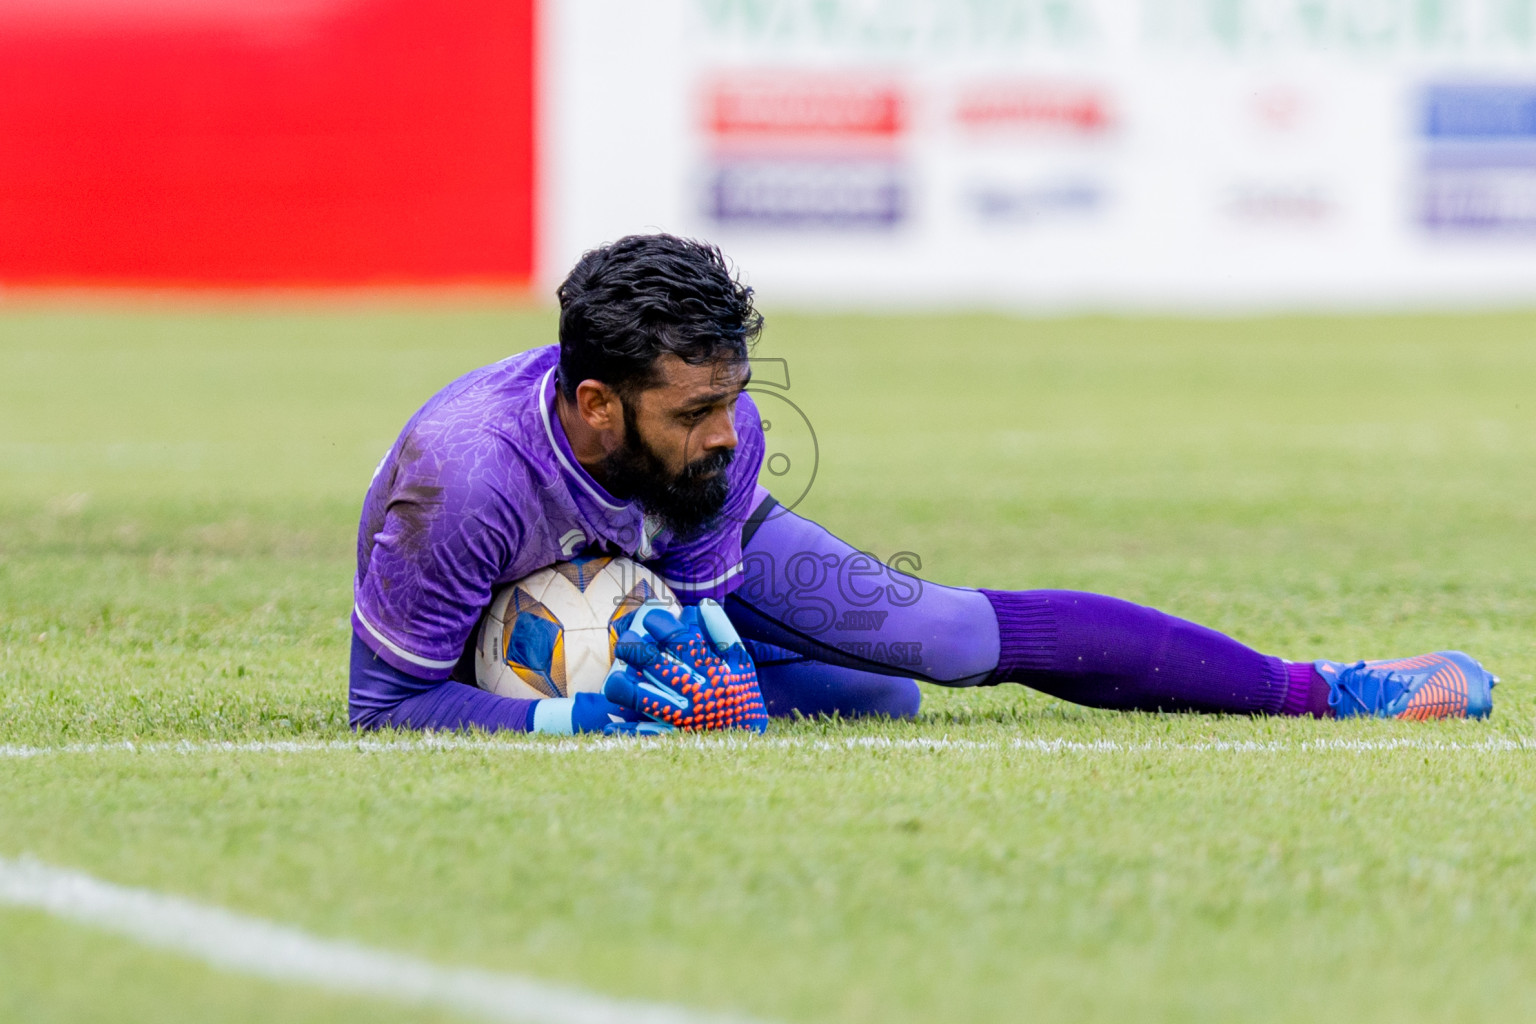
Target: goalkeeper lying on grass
(633, 436)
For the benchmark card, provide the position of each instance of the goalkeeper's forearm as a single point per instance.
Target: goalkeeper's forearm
(381, 696)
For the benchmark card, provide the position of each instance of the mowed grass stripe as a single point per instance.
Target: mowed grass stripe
(249, 945)
(429, 745)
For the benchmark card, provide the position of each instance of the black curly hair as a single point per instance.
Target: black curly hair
(627, 303)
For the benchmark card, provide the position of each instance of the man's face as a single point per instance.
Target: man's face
(679, 437)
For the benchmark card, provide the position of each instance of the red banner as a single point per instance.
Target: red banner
(226, 142)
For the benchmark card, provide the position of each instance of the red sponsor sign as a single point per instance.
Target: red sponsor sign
(1035, 106)
(805, 106)
(233, 142)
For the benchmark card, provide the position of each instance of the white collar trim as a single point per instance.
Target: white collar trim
(554, 443)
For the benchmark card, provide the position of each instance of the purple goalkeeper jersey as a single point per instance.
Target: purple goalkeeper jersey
(481, 488)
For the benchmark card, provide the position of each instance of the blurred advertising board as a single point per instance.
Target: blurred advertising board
(1479, 174)
(267, 142)
(1056, 153)
(1037, 153)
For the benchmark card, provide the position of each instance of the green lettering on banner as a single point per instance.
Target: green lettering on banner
(903, 27)
(1441, 22)
(1348, 27)
(750, 18)
(1513, 21)
(1229, 23)
(896, 28)
(1312, 22)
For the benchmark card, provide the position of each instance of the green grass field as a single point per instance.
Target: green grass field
(178, 499)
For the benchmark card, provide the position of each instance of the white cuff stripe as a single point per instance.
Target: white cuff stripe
(706, 584)
(396, 649)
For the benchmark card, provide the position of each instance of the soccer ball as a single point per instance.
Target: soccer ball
(551, 634)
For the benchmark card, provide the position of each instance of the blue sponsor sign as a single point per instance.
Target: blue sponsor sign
(1499, 197)
(1025, 203)
(1478, 174)
(808, 194)
(1479, 112)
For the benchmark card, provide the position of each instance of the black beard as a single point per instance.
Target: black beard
(687, 503)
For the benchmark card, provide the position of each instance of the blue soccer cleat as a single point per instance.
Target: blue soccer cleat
(1446, 684)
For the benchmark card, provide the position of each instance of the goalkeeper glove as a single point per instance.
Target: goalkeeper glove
(590, 712)
(690, 671)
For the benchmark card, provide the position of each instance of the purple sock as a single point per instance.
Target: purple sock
(1108, 653)
(1308, 691)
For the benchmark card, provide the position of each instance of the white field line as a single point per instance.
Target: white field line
(249, 945)
(491, 745)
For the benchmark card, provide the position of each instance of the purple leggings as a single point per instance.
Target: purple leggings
(807, 592)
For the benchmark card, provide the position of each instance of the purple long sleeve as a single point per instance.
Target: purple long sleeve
(381, 696)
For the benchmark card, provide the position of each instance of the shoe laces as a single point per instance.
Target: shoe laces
(1390, 684)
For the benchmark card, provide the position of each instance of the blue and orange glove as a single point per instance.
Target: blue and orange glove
(590, 712)
(691, 672)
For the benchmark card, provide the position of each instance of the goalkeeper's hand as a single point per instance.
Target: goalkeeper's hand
(691, 672)
(591, 712)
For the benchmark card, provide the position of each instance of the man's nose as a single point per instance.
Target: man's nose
(722, 433)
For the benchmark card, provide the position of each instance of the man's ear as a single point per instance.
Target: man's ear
(599, 406)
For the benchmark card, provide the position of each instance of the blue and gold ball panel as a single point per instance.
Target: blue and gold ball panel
(583, 569)
(624, 613)
(533, 645)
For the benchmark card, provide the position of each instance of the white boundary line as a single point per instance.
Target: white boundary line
(248, 945)
(434, 744)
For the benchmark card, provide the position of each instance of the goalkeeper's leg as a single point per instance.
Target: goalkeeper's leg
(794, 684)
(809, 592)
